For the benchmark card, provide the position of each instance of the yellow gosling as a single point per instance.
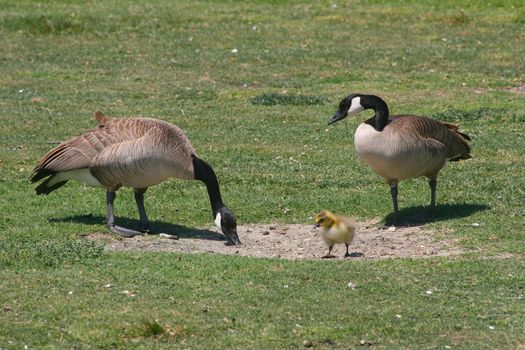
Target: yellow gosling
(335, 229)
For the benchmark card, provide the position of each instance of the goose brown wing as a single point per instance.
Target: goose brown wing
(163, 151)
(76, 153)
(79, 152)
(443, 136)
(117, 142)
(458, 146)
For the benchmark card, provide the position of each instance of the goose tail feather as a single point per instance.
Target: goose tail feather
(463, 139)
(46, 188)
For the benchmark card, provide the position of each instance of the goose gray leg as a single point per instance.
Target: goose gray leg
(433, 185)
(126, 232)
(139, 199)
(393, 192)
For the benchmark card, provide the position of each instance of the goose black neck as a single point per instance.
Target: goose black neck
(380, 119)
(203, 172)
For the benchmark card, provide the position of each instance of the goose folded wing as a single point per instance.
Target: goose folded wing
(77, 153)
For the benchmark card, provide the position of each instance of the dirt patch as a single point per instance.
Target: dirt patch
(294, 242)
(518, 90)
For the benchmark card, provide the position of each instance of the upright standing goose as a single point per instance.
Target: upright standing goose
(399, 147)
(131, 152)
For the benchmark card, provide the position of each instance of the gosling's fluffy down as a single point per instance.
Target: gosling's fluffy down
(335, 229)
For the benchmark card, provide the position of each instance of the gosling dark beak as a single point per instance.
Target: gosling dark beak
(317, 225)
(337, 116)
(231, 236)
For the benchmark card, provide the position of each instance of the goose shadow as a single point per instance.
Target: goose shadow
(418, 216)
(156, 227)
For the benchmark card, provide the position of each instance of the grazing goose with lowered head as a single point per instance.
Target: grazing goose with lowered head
(131, 152)
(400, 147)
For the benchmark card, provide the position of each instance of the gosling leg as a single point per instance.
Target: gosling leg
(329, 255)
(347, 255)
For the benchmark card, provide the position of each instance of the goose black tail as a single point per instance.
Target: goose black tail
(44, 187)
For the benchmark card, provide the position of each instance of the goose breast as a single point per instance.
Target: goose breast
(396, 153)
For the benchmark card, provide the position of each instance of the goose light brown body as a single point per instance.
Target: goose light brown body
(131, 152)
(403, 146)
(409, 147)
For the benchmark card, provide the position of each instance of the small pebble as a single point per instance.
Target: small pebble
(392, 229)
(127, 292)
(308, 343)
(165, 235)
(266, 233)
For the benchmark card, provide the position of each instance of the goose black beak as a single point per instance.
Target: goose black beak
(231, 236)
(336, 117)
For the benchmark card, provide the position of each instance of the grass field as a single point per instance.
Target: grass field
(253, 86)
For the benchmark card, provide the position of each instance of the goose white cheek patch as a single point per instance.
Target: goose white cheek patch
(218, 220)
(355, 107)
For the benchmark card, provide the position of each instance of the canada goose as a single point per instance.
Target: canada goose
(403, 146)
(335, 229)
(132, 152)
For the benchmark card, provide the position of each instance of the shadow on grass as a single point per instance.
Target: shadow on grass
(156, 227)
(417, 216)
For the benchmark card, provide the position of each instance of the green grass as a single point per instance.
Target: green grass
(241, 302)
(253, 85)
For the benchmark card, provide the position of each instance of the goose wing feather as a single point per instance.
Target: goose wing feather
(144, 161)
(118, 141)
(435, 136)
(76, 153)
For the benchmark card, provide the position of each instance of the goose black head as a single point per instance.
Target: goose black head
(225, 220)
(350, 105)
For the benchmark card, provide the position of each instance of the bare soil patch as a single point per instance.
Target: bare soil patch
(518, 89)
(295, 241)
